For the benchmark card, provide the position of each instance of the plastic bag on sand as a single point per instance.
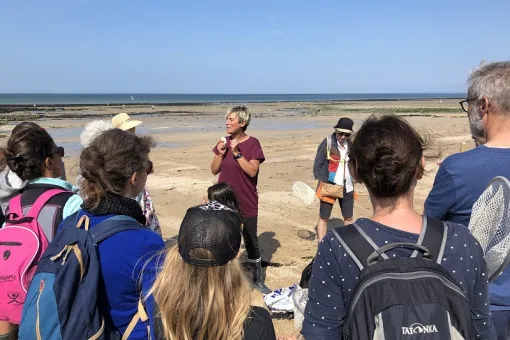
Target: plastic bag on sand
(280, 300)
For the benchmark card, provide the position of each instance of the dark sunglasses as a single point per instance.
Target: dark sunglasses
(57, 150)
(341, 134)
(150, 168)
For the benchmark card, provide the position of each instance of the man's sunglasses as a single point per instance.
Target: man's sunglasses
(341, 134)
(57, 150)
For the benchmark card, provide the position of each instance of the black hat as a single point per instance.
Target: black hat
(344, 125)
(210, 226)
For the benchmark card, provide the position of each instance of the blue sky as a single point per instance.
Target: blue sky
(278, 46)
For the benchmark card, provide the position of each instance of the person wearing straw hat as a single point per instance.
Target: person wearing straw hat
(124, 122)
(333, 179)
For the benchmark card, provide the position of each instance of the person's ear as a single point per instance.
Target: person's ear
(50, 164)
(134, 179)
(484, 106)
(421, 168)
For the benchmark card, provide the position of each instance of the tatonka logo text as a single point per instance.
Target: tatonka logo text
(418, 328)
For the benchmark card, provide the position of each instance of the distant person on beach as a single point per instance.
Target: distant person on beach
(387, 157)
(124, 122)
(202, 292)
(34, 162)
(463, 177)
(331, 169)
(237, 160)
(115, 167)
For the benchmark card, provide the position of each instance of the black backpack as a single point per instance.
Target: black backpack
(404, 298)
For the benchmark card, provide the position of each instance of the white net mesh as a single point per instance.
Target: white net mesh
(490, 225)
(303, 192)
(300, 298)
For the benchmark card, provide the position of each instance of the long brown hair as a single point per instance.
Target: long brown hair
(109, 161)
(199, 303)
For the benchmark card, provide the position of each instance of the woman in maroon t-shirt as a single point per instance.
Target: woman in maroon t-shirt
(237, 160)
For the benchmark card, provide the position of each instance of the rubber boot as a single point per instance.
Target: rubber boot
(256, 271)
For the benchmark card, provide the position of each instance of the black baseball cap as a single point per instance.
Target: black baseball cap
(210, 226)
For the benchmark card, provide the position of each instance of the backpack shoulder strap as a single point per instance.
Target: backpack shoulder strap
(141, 315)
(42, 200)
(15, 207)
(433, 237)
(112, 226)
(357, 243)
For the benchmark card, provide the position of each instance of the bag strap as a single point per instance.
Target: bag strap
(141, 315)
(357, 244)
(15, 207)
(112, 226)
(433, 237)
(41, 201)
(328, 147)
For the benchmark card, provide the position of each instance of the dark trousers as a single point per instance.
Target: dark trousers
(251, 241)
(501, 321)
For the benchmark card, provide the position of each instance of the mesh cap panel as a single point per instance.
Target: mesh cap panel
(213, 227)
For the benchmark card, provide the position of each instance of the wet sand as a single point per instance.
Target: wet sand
(289, 136)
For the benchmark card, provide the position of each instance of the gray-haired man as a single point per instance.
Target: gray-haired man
(463, 177)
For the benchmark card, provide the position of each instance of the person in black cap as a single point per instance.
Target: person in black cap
(202, 292)
(333, 179)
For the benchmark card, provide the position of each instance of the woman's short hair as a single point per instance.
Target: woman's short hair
(243, 115)
(386, 155)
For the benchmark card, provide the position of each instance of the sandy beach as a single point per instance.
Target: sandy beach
(290, 134)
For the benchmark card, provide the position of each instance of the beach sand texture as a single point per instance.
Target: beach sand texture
(289, 136)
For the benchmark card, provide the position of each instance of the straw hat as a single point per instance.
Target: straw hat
(123, 121)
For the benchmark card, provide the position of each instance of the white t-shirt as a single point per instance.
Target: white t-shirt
(343, 165)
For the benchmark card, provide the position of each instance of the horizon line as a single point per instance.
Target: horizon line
(221, 94)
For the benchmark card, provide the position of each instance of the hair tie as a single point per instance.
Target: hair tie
(18, 158)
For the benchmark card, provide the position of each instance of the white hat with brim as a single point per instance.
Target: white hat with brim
(123, 121)
(343, 130)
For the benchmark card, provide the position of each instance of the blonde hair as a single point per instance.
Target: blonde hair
(198, 303)
(243, 115)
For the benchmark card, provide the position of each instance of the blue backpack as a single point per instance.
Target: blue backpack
(63, 301)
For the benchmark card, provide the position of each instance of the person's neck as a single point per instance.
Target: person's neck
(498, 131)
(397, 213)
(239, 136)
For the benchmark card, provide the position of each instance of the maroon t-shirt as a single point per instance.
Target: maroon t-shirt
(244, 186)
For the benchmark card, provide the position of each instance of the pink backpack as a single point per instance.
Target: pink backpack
(22, 243)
